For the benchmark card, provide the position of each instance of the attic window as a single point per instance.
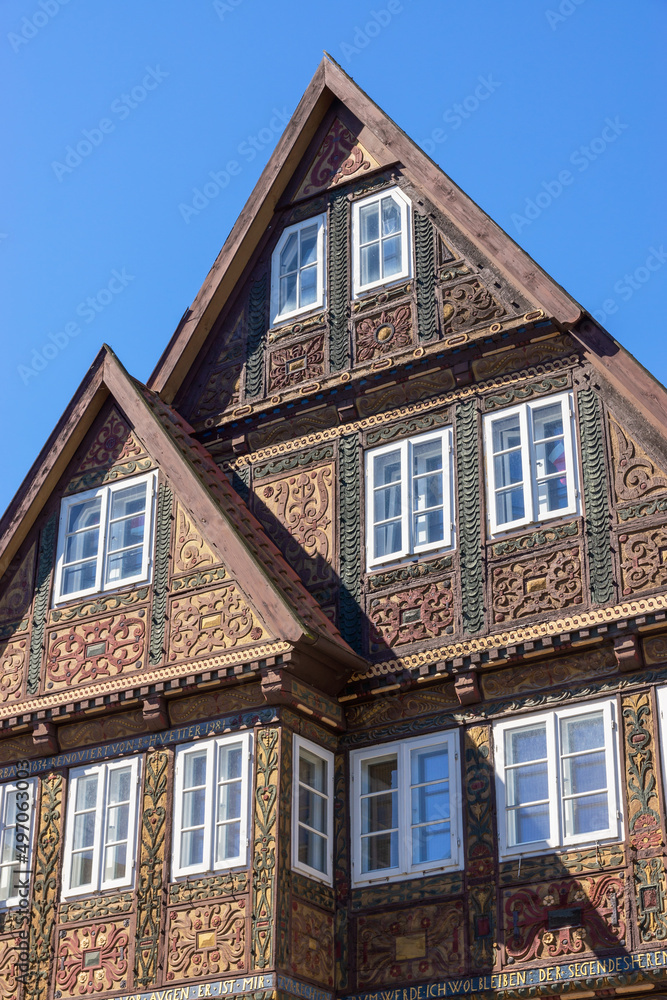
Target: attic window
(380, 239)
(104, 538)
(297, 270)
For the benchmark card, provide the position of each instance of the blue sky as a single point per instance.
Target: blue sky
(549, 113)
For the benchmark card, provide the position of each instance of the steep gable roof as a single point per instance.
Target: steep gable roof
(276, 589)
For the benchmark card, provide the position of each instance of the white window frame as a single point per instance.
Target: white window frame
(30, 808)
(661, 697)
(405, 868)
(320, 302)
(532, 514)
(557, 837)
(105, 492)
(409, 547)
(299, 744)
(406, 244)
(208, 860)
(98, 883)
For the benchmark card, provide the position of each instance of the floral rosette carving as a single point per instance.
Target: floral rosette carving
(412, 615)
(93, 960)
(383, 334)
(90, 650)
(206, 940)
(207, 623)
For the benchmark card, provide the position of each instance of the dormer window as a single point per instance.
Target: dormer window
(297, 270)
(104, 539)
(380, 240)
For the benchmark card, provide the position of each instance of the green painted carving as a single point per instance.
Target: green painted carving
(341, 868)
(478, 803)
(595, 497)
(339, 296)
(642, 509)
(543, 536)
(312, 891)
(97, 907)
(100, 605)
(241, 481)
(7, 631)
(45, 884)
(151, 863)
(651, 899)
(286, 879)
(264, 860)
(100, 476)
(161, 581)
(643, 805)
(350, 541)
(554, 384)
(407, 427)
(470, 548)
(196, 889)
(47, 546)
(201, 579)
(425, 267)
(289, 462)
(405, 892)
(415, 571)
(254, 379)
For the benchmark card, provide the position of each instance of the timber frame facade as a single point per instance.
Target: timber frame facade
(286, 615)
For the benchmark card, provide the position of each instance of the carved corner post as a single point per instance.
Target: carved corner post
(48, 851)
(480, 847)
(152, 880)
(341, 872)
(283, 903)
(267, 749)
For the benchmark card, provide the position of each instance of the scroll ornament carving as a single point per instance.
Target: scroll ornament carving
(16, 596)
(296, 363)
(412, 615)
(211, 887)
(384, 333)
(340, 156)
(222, 390)
(555, 383)
(311, 947)
(91, 650)
(467, 305)
(105, 727)
(384, 711)
(205, 623)
(600, 922)
(394, 893)
(9, 956)
(420, 943)
(303, 505)
(151, 862)
(205, 706)
(651, 895)
(191, 551)
(264, 853)
(643, 805)
(92, 959)
(643, 560)
(635, 475)
(538, 676)
(587, 861)
(478, 806)
(536, 585)
(523, 357)
(114, 443)
(206, 940)
(12, 668)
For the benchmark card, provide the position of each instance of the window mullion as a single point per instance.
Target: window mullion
(210, 817)
(100, 826)
(407, 545)
(405, 812)
(100, 581)
(528, 463)
(555, 782)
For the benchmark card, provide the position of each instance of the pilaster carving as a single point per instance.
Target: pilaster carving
(341, 868)
(595, 497)
(478, 801)
(651, 896)
(45, 883)
(467, 463)
(425, 270)
(47, 547)
(257, 304)
(151, 864)
(350, 541)
(339, 343)
(482, 926)
(643, 805)
(264, 859)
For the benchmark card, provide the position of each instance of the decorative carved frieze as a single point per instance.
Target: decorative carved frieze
(405, 428)
(194, 890)
(100, 605)
(191, 550)
(401, 394)
(419, 943)
(537, 584)
(101, 728)
(306, 425)
(207, 622)
(383, 333)
(644, 824)
(393, 708)
(564, 917)
(16, 595)
(289, 462)
(95, 908)
(238, 698)
(519, 358)
(536, 539)
(478, 782)
(293, 364)
(549, 674)
(412, 890)
(151, 864)
(407, 574)
(589, 861)
(467, 305)
(311, 952)
(517, 394)
(643, 557)
(635, 476)
(93, 959)
(412, 615)
(91, 650)
(297, 512)
(264, 849)
(206, 940)
(314, 892)
(655, 649)
(299, 328)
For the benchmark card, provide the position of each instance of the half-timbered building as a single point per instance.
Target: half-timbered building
(334, 659)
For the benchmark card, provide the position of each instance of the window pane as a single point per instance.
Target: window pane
(230, 761)
(120, 780)
(526, 744)
(379, 776)
(7, 882)
(583, 732)
(387, 503)
(76, 578)
(228, 842)
(391, 217)
(387, 468)
(430, 802)
(118, 818)
(115, 862)
(192, 848)
(287, 300)
(312, 771)
(588, 814)
(84, 830)
(531, 824)
(508, 469)
(83, 545)
(194, 769)
(289, 254)
(131, 500)
(510, 506)
(229, 801)
(429, 765)
(387, 539)
(429, 528)
(506, 433)
(308, 245)
(82, 869)
(379, 812)
(426, 457)
(312, 809)
(308, 286)
(379, 852)
(391, 256)
(370, 263)
(428, 492)
(552, 495)
(194, 807)
(86, 792)
(431, 843)
(312, 850)
(548, 421)
(369, 223)
(529, 783)
(124, 565)
(128, 531)
(84, 514)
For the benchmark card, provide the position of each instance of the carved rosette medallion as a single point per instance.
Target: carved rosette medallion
(413, 615)
(91, 650)
(311, 954)
(206, 940)
(643, 556)
(539, 584)
(422, 942)
(383, 333)
(212, 621)
(561, 918)
(93, 959)
(296, 363)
